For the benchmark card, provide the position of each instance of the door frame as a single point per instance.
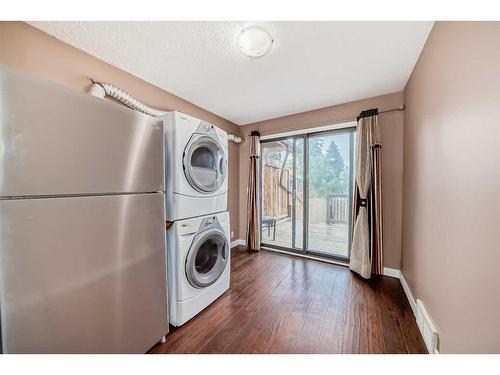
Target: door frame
(351, 130)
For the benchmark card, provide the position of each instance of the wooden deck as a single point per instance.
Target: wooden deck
(323, 238)
(285, 304)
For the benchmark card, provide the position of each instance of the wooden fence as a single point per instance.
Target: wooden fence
(276, 200)
(337, 209)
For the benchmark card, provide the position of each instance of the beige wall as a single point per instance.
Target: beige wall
(30, 50)
(392, 158)
(450, 207)
(451, 220)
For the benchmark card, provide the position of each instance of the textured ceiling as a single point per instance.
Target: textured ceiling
(311, 65)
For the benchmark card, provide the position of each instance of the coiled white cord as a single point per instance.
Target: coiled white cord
(101, 89)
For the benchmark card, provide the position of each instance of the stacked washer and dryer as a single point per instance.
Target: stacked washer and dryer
(198, 250)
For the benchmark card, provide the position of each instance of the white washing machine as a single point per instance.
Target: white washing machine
(196, 155)
(198, 261)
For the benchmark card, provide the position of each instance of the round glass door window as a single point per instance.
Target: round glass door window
(207, 258)
(204, 164)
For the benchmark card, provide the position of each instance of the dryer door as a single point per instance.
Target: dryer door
(204, 162)
(207, 258)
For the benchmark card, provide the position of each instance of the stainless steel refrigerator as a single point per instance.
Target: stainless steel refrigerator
(82, 223)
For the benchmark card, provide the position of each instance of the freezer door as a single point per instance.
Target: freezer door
(54, 141)
(83, 275)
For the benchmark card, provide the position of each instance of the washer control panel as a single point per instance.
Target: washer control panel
(209, 222)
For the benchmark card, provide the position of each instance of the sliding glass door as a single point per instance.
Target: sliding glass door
(307, 193)
(329, 193)
(282, 168)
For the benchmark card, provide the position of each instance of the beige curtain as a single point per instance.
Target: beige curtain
(253, 194)
(367, 246)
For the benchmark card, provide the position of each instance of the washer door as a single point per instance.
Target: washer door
(207, 258)
(204, 163)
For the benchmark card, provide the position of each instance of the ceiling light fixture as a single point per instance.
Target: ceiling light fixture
(255, 41)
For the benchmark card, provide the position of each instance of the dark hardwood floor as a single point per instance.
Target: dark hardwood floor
(279, 303)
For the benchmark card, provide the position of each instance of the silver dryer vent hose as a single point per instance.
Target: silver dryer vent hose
(102, 89)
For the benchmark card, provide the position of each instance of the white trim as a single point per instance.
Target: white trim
(338, 263)
(426, 327)
(392, 272)
(342, 125)
(409, 296)
(237, 243)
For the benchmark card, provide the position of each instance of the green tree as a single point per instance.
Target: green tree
(317, 177)
(328, 173)
(336, 169)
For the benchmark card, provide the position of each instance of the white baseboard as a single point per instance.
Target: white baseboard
(409, 296)
(426, 327)
(237, 243)
(392, 272)
(424, 322)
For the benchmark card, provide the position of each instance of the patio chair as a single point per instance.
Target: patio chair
(268, 222)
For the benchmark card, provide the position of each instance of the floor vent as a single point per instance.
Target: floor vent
(427, 328)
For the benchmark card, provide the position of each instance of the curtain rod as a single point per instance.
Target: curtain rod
(331, 122)
(400, 108)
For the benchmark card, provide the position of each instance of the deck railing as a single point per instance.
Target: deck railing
(337, 209)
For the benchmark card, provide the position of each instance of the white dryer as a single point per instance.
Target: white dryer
(196, 155)
(198, 262)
